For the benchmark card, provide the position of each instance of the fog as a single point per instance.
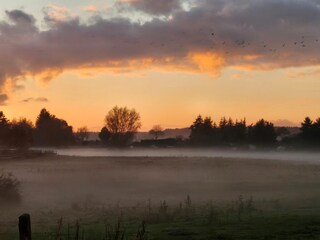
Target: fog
(98, 178)
(304, 156)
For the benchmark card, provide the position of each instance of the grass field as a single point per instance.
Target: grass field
(228, 198)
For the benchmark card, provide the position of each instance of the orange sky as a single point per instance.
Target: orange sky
(173, 99)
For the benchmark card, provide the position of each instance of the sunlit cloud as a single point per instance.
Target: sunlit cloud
(208, 62)
(55, 13)
(237, 76)
(90, 8)
(303, 74)
(45, 76)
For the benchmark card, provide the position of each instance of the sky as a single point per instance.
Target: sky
(170, 60)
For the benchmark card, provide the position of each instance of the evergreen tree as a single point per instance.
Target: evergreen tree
(4, 129)
(262, 133)
(52, 131)
(307, 129)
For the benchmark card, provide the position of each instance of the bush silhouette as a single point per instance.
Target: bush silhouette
(9, 189)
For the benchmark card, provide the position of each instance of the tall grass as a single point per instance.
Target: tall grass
(116, 231)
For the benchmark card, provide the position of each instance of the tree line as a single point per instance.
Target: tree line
(228, 132)
(47, 131)
(205, 132)
(310, 131)
(121, 124)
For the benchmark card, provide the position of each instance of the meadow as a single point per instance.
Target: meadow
(164, 198)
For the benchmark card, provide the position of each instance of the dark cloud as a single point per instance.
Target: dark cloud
(3, 99)
(154, 7)
(27, 100)
(18, 16)
(255, 34)
(38, 99)
(41, 99)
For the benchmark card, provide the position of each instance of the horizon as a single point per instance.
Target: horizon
(79, 59)
(278, 123)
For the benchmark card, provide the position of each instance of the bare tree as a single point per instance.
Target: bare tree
(122, 123)
(156, 131)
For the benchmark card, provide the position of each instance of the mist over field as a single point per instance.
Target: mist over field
(91, 184)
(129, 177)
(302, 156)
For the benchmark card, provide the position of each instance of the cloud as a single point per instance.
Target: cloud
(3, 99)
(303, 74)
(250, 35)
(18, 16)
(90, 8)
(53, 14)
(154, 7)
(38, 99)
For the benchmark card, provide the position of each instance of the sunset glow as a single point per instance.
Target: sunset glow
(170, 61)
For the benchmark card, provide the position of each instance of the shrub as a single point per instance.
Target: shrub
(9, 189)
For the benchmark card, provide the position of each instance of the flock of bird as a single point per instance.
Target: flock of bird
(301, 43)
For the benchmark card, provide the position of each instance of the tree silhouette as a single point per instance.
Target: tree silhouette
(206, 132)
(202, 131)
(156, 131)
(316, 126)
(310, 131)
(82, 134)
(4, 129)
(225, 128)
(307, 129)
(262, 133)
(52, 131)
(240, 131)
(196, 131)
(122, 123)
(21, 133)
(104, 135)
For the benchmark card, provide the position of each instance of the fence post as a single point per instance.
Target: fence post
(25, 227)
